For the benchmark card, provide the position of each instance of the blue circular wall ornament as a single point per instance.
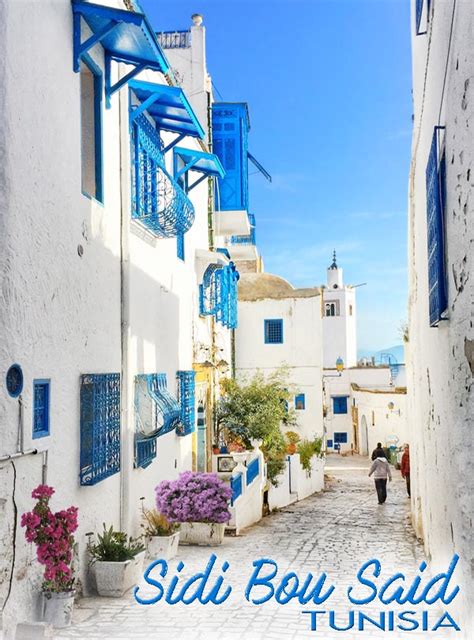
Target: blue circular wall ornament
(14, 380)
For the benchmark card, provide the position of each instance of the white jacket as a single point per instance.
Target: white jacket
(381, 469)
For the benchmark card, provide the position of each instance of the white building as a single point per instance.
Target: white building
(280, 325)
(110, 342)
(441, 337)
(339, 323)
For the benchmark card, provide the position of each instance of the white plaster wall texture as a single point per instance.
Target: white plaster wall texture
(383, 423)
(301, 350)
(440, 362)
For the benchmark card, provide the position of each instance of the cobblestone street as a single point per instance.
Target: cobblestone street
(335, 531)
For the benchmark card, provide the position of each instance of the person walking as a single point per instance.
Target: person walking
(405, 467)
(381, 470)
(378, 452)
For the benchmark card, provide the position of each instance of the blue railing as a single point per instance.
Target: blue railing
(236, 486)
(253, 470)
(145, 451)
(187, 402)
(158, 202)
(174, 39)
(250, 239)
(156, 410)
(218, 294)
(100, 427)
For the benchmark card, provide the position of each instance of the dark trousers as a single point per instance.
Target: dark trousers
(407, 478)
(381, 486)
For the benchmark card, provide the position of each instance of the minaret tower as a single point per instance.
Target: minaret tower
(339, 322)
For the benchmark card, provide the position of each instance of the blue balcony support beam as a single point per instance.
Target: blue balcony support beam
(196, 182)
(174, 142)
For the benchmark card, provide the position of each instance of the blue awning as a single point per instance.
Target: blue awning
(168, 106)
(126, 36)
(208, 164)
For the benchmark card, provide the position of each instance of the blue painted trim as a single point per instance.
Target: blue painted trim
(145, 452)
(329, 444)
(339, 404)
(253, 470)
(273, 331)
(180, 248)
(14, 380)
(300, 402)
(187, 402)
(340, 437)
(98, 129)
(236, 486)
(41, 430)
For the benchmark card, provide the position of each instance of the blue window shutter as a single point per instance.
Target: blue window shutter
(435, 197)
(273, 331)
(339, 404)
(41, 401)
(300, 402)
(329, 443)
(180, 246)
(340, 437)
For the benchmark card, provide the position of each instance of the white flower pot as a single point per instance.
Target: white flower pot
(113, 579)
(165, 547)
(57, 608)
(202, 533)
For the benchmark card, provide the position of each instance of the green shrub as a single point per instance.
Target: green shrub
(307, 449)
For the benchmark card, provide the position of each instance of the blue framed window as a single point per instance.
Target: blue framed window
(100, 427)
(187, 402)
(329, 443)
(300, 402)
(273, 331)
(339, 404)
(340, 437)
(435, 205)
(91, 129)
(41, 400)
(422, 15)
(180, 246)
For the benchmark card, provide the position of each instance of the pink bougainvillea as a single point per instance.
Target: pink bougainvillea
(53, 536)
(194, 497)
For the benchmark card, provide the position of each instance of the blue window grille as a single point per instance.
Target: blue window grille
(156, 410)
(435, 204)
(100, 427)
(273, 331)
(420, 7)
(218, 294)
(158, 202)
(253, 470)
(180, 246)
(329, 443)
(339, 404)
(300, 402)
(187, 402)
(145, 451)
(41, 399)
(236, 486)
(340, 437)
(91, 129)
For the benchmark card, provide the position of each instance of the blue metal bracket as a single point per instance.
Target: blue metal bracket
(174, 142)
(196, 182)
(81, 48)
(110, 88)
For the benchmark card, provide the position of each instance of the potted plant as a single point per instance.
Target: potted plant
(53, 536)
(292, 439)
(117, 560)
(161, 535)
(215, 449)
(199, 501)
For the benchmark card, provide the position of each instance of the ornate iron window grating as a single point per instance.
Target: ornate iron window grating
(273, 331)
(218, 294)
(435, 204)
(156, 410)
(253, 470)
(40, 408)
(100, 427)
(187, 403)
(145, 451)
(158, 201)
(14, 380)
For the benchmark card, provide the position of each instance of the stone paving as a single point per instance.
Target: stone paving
(334, 531)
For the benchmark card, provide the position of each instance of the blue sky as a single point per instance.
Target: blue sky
(328, 83)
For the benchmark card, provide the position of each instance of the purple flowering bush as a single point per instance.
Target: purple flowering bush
(194, 497)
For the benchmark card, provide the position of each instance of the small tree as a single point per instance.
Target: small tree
(256, 409)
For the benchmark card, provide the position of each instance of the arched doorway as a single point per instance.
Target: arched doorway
(364, 437)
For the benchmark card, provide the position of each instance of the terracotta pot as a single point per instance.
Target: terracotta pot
(291, 449)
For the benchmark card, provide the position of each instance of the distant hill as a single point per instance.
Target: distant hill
(395, 354)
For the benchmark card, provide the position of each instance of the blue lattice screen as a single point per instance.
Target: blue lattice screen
(158, 202)
(100, 427)
(187, 402)
(40, 408)
(435, 196)
(218, 294)
(339, 404)
(145, 451)
(273, 331)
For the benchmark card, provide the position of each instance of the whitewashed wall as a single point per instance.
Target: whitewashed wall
(441, 360)
(301, 350)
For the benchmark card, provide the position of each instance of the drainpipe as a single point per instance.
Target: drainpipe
(125, 453)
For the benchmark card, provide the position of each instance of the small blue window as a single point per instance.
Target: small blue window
(339, 404)
(273, 331)
(40, 408)
(300, 402)
(340, 438)
(91, 128)
(180, 246)
(329, 443)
